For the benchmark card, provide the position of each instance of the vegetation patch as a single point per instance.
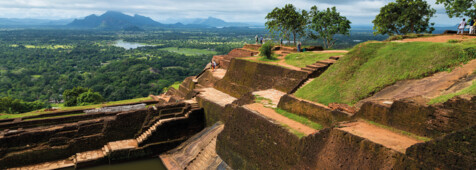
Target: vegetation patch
(189, 51)
(40, 118)
(299, 119)
(399, 131)
(370, 67)
(307, 58)
(471, 90)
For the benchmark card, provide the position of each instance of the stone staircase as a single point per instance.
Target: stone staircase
(315, 70)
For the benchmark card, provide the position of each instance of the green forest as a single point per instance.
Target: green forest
(39, 65)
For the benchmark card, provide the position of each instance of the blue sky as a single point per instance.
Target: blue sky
(360, 12)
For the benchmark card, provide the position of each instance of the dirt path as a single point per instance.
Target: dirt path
(439, 38)
(216, 96)
(428, 87)
(379, 135)
(272, 94)
(332, 51)
(219, 73)
(270, 113)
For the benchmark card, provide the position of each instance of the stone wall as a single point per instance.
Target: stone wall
(250, 141)
(314, 111)
(245, 76)
(54, 142)
(432, 121)
(454, 151)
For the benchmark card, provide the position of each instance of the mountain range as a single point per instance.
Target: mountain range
(113, 20)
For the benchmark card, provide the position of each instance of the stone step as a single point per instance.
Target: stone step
(327, 61)
(308, 69)
(316, 66)
(336, 57)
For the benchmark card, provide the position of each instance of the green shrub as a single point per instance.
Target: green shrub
(266, 49)
(89, 97)
(12, 106)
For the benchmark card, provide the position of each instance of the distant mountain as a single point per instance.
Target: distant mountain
(112, 20)
(209, 22)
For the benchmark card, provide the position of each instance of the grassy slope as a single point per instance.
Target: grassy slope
(61, 108)
(307, 58)
(370, 67)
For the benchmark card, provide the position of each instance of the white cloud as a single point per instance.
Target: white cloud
(360, 12)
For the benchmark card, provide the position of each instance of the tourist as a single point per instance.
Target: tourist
(214, 64)
(472, 26)
(261, 40)
(299, 47)
(256, 38)
(281, 41)
(461, 26)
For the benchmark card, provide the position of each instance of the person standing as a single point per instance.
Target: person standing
(472, 26)
(299, 47)
(461, 26)
(261, 40)
(256, 38)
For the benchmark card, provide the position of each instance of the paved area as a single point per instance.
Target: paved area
(272, 94)
(216, 96)
(271, 114)
(123, 144)
(379, 135)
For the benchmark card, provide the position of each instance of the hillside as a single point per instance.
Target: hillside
(112, 20)
(370, 67)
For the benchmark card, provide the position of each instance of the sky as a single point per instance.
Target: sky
(359, 12)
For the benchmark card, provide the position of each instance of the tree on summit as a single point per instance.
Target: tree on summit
(287, 21)
(327, 23)
(458, 8)
(403, 17)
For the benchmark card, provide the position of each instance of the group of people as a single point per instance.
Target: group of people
(260, 40)
(463, 24)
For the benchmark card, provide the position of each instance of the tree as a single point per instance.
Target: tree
(458, 8)
(287, 21)
(327, 23)
(266, 49)
(70, 96)
(89, 97)
(403, 17)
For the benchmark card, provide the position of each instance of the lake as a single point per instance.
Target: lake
(128, 45)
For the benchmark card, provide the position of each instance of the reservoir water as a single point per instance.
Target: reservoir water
(143, 164)
(128, 45)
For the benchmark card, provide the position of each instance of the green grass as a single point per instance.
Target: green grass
(176, 85)
(370, 67)
(299, 119)
(274, 58)
(39, 112)
(262, 100)
(293, 131)
(471, 90)
(399, 131)
(39, 118)
(307, 58)
(189, 51)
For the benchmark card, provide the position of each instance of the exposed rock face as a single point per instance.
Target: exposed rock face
(245, 76)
